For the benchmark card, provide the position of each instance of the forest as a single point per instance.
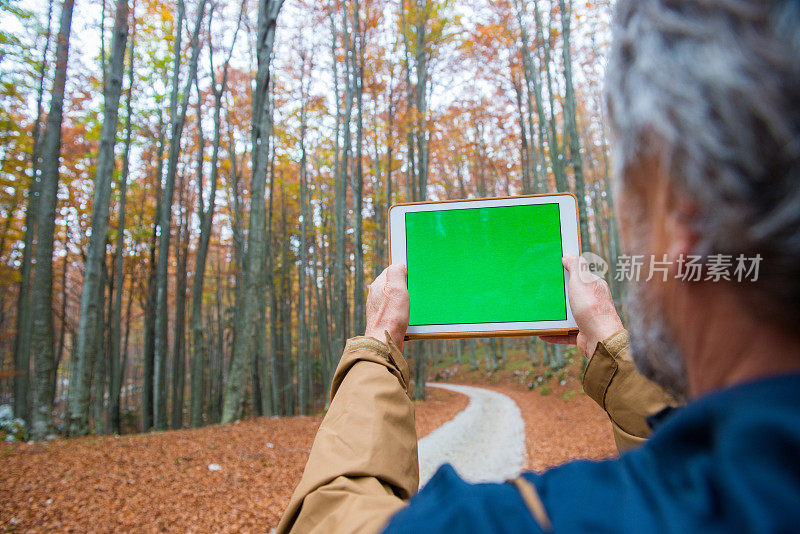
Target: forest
(194, 195)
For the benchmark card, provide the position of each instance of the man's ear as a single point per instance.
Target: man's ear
(671, 213)
(681, 237)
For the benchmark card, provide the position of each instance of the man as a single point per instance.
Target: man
(705, 118)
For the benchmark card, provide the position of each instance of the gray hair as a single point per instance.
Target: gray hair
(712, 89)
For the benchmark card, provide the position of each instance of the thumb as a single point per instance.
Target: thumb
(570, 263)
(576, 267)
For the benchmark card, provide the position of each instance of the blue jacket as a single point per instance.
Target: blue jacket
(727, 462)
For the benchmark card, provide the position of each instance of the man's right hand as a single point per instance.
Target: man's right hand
(592, 307)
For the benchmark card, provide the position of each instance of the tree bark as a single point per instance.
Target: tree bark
(42, 287)
(199, 356)
(177, 120)
(322, 310)
(179, 336)
(383, 196)
(303, 360)
(287, 372)
(98, 375)
(421, 94)
(357, 180)
(338, 337)
(92, 293)
(570, 117)
(340, 185)
(556, 152)
(277, 399)
(411, 173)
(22, 338)
(150, 305)
(421, 104)
(533, 85)
(246, 327)
(117, 369)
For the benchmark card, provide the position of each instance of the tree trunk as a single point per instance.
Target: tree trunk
(150, 305)
(267, 358)
(338, 337)
(98, 375)
(422, 102)
(556, 152)
(340, 186)
(177, 120)
(124, 363)
(246, 326)
(491, 356)
(524, 147)
(533, 85)
(411, 173)
(303, 360)
(42, 287)
(570, 117)
(357, 180)
(22, 337)
(323, 295)
(287, 372)
(322, 311)
(383, 197)
(179, 337)
(421, 127)
(117, 369)
(473, 361)
(92, 293)
(269, 274)
(62, 332)
(199, 356)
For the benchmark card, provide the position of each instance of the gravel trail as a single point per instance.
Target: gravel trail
(484, 443)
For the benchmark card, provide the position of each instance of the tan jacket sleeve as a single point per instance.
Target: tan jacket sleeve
(611, 379)
(363, 465)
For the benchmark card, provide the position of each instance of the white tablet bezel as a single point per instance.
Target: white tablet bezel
(570, 242)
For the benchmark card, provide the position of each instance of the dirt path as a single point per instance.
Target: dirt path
(485, 442)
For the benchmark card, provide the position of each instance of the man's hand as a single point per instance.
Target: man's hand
(592, 307)
(388, 305)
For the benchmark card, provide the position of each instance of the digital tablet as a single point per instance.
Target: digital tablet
(486, 267)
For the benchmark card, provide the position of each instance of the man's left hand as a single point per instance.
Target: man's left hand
(388, 305)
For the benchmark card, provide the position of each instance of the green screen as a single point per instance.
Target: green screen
(485, 265)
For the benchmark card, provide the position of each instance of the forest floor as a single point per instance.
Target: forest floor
(239, 477)
(164, 481)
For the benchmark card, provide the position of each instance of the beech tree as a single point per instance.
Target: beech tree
(247, 323)
(206, 212)
(42, 285)
(22, 339)
(92, 298)
(117, 364)
(177, 120)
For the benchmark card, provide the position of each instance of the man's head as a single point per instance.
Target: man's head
(704, 105)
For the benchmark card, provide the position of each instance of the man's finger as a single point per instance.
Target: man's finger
(380, 280)
(569, 339)
(570, 263)
(396, 274)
